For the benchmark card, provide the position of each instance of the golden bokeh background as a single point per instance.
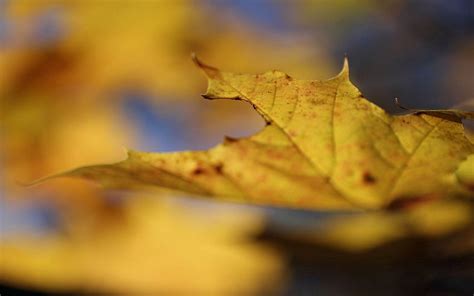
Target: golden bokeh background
(82, 79)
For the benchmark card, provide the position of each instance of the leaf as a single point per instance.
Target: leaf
(465, 173)
(157, 30)
(41, 134)
(433, 223)
(151, 248)
(324, 146)
(453, 113)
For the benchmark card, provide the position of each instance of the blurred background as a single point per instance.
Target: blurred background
(81, 79)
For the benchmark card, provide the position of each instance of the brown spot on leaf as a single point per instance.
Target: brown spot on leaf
(198, 171)
(219, 167)
(368, 178)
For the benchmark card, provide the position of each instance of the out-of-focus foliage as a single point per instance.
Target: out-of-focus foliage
(148, 247)
(62, 94)
(358, 233)
(146, 44)
(465, 173)
(58, 134)
(324, 146)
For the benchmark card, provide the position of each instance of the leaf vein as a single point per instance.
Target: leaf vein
(410, 157)
(308, 159)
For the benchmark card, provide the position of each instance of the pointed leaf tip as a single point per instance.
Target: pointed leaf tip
(210, 71)
(345, 67)
(399, 105)
(195, 59)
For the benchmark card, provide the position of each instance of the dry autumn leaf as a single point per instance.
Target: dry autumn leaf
(324, 146)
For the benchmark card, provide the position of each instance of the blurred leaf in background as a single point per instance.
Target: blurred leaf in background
(74, 66)
(429, 221)
(150, 247)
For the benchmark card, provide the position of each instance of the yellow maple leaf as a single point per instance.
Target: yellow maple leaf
(324, 146)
